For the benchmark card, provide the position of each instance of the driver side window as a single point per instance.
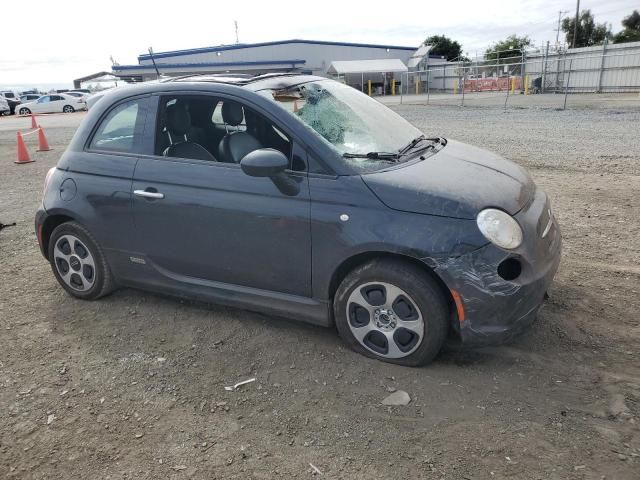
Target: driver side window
(201, 127)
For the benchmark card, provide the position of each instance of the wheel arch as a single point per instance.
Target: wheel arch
(48, 226)
(361, 258)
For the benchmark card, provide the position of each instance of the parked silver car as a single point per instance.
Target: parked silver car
(13, 99)
(29, 97)
(4, 106)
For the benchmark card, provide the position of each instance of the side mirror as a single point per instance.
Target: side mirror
(264, 162)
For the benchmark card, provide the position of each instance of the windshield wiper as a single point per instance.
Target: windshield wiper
(434, 141)
(373, 155)
(404, 151)
(411, 144)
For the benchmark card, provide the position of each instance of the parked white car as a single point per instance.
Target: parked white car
(54, 103)
(75, 93)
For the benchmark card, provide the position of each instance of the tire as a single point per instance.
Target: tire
(24, 111)
(395, 301)
(81, 269)
(68, 109)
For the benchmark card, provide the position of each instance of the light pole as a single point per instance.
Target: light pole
(560, 14)
(575, 26)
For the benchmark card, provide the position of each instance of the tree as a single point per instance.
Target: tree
(508, 50)
(631, 31)
(588, 34)
(444, 47)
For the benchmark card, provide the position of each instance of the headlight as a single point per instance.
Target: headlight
(500, 228)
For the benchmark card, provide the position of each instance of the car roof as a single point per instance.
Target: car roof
(276, 81)
(254, 83)
(259, 82)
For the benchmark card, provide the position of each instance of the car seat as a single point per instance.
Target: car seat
(235, 145)
(178, 125)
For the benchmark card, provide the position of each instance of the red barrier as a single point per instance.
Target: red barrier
(490, 84)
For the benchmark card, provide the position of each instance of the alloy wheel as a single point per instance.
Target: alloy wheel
(385, 320)
(74, 263)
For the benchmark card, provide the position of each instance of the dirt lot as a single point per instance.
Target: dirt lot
(132, 386)
(601, 101)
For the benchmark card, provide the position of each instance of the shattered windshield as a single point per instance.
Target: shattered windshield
(368, 134)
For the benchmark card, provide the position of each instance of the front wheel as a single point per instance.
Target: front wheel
(68, 109)
(78, 262)
(24, 111)
(393, 311)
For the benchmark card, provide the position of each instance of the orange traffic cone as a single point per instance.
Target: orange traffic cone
(33, 122)
(43, 145)
(23, 154)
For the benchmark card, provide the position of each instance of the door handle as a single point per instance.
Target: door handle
(144, 193)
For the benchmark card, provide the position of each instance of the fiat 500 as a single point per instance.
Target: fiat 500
(300, 197)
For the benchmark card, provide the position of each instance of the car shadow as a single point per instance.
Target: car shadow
(155, 320)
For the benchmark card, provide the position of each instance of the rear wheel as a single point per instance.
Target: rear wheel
(392, 311)
(24, 111)
(78, 262)
(68, 109)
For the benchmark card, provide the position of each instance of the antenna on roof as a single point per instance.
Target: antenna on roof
(154, 62)
(235, 23)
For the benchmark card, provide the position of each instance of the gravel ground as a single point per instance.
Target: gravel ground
(553, 101)
(133, 385)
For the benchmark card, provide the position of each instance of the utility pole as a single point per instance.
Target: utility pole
(235, 23)
(560, 14)
(575, 26)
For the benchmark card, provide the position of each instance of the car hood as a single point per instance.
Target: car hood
(458, 181)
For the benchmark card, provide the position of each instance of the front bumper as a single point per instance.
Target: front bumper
(495, 309)
(41, 216)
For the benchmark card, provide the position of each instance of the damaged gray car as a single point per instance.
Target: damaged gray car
(300, 197)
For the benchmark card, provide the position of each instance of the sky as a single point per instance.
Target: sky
(51, 46)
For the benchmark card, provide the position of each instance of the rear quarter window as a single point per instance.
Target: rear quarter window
(121, 129)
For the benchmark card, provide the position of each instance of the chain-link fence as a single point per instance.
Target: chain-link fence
(538, 79)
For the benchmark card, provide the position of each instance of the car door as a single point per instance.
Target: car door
(207, 222)
(57, 103)
(42, 105)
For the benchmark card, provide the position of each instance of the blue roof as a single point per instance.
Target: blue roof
(164, 66)
(222, 48)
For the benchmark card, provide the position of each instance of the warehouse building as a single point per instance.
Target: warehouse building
(303, 56)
